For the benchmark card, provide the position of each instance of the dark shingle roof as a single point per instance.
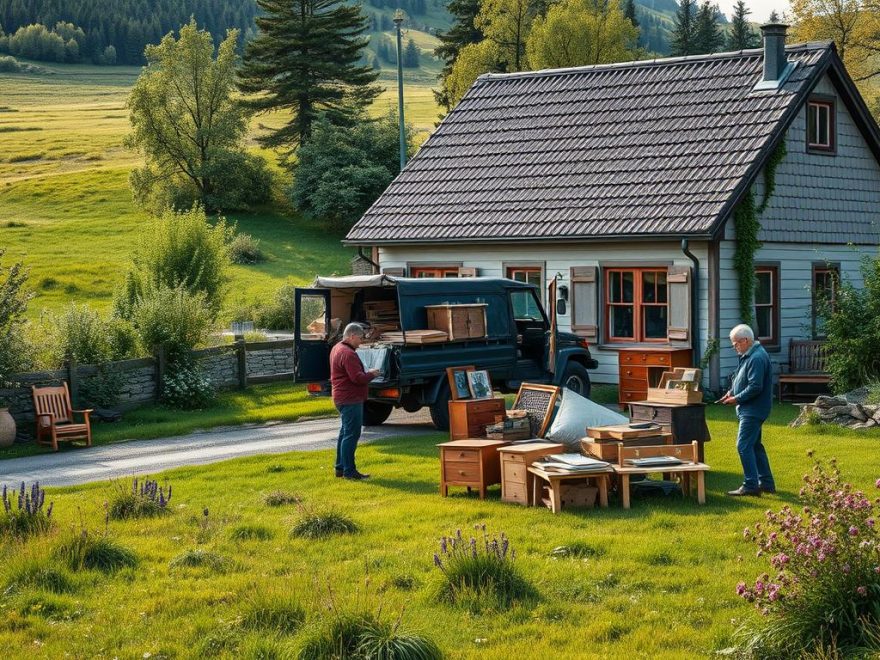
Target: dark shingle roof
(642, 148)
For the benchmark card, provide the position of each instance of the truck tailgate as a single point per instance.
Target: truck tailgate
(496, 356)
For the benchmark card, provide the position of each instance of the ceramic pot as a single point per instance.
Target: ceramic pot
(7, 428)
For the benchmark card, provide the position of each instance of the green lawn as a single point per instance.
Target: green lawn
(659, 582)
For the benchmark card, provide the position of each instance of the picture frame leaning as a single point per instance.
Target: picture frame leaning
(480, 384)
(458, 382)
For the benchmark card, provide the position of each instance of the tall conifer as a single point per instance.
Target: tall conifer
(684, 29)
(708, 36)
(741, 36)
(462, 33)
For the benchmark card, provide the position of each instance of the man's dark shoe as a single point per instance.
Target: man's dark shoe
(357, 476)
(742, 491)
(339, 474)
(770, 490)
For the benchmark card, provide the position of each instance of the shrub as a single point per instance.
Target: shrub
(27, 518)
(175, 319)
(86, 549)
(199, 558)
(179, 250)
(873, 398)
(15, 352)
(364, 635)
(825, 565)
(101, 390)
(280, 498)
(81, 334)
(144, 500)
(252, 532)
(277, 314)
(853, 332)
(245, 249)
(480, 575)
(273, 611)
(320, 525)
(242, 180)
(187, 389)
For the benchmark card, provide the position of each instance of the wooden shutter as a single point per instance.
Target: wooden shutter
(678, 279)
(584, 302)
(394, 272)
(467, 271)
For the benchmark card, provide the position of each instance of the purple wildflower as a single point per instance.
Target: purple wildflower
(862, 591)
(853, 530)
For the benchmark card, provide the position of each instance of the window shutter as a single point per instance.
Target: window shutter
(467, 271)
(394, 272)
(678, 280)
(584, 302)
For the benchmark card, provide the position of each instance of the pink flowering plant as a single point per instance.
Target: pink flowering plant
(823, 588)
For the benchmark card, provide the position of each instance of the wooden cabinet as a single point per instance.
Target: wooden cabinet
(473, 463)
(687, 423)
(642, 367)
(469, 418)
(458, 321)
(516, 481)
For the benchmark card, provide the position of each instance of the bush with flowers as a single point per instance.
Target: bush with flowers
(823, 590)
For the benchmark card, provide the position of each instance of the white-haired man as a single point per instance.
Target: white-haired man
(350, 389)
(752, 394)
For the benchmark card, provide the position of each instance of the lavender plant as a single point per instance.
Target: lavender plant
(823, 589)
(145, 500)
(27, 517)
(480, 574)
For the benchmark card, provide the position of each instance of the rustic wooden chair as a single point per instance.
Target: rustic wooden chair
(538, 401)
(54, 417)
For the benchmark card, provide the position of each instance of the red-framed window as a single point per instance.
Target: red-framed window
(433, 271)
(524, 305)
(820, 126)
(636, 305)
(826, 279)
(767, 305)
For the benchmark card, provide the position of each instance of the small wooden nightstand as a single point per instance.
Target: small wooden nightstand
(516, 481)
(473, 462)
(468, 418)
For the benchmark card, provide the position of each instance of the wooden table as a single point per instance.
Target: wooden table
(555, 479)
(686, 469)
(516, 480)
(472, 462)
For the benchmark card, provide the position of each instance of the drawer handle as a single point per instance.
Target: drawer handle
(461, 454)
(662, 358)
(629, 373)
(462, 472)
(644, 358)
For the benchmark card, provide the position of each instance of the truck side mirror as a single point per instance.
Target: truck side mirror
(560, 306)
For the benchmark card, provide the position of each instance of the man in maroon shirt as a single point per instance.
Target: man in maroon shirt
(349, 382)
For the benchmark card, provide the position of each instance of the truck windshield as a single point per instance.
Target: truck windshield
(525, 307)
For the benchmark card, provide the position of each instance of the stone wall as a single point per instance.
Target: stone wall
(138, 379)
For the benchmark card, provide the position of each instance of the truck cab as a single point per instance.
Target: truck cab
(518, 343)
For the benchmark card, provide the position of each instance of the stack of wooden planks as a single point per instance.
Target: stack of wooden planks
(382, 316)
(415, 337)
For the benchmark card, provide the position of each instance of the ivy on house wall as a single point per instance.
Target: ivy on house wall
(747, 227)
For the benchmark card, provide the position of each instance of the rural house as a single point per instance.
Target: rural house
(634, 183)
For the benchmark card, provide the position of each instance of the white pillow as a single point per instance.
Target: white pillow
(575, 414)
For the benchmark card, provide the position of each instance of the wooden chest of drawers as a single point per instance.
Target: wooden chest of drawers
(642, 367)
(470, 417)
(473, 463)
(516, 480)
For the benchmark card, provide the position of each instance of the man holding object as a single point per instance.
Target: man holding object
(349, 383)
(752, 394)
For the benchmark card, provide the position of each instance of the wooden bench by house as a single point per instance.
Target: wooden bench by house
(54, 416)
(807, 360)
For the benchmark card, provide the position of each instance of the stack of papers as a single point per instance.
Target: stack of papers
(654, 461)
(572, 463)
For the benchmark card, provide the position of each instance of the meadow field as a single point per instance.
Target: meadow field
(221, 576)
(66, 207)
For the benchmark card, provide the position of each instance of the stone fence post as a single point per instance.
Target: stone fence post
(241, 355)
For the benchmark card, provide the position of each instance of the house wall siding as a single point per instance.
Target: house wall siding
(559, 258)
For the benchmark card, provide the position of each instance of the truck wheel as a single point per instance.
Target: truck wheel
(577, 379)
(376, 413)
(440, 409)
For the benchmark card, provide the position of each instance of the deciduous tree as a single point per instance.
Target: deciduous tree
(507, 23)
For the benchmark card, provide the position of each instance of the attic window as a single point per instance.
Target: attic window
(820, 126)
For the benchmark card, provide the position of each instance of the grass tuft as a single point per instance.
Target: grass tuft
(37, 573)
(90, 550)
(199, 558)
(321, 525)
(280, 498)
(363, 635)
(577, 550)
(273, 469)
(252, 533)
(49, 606)
(273, 611)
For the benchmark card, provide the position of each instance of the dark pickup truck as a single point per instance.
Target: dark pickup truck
(516, 347)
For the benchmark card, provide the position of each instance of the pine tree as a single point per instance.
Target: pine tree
(684, 29)
(462, 33)
(741, 35)
(411, 55)
(774, 17)
(305, 60)
(629, 10)
(709, 37)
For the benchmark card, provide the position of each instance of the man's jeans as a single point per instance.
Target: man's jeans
(756, 465)
(352, 417)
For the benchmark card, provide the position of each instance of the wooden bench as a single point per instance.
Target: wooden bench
(689, 454)
(54, 416)
(807, 363)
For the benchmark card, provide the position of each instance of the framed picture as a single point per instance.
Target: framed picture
(480, 385)
(458, 382)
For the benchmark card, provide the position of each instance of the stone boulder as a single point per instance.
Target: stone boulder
(849, 410)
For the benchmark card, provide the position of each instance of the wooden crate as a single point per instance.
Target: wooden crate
(572, 495)
(684, 397)
(606, 450)
(458, 321)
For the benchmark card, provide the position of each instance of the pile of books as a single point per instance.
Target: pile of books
(571, 464)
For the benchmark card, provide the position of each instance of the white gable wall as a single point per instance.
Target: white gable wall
(559, 258)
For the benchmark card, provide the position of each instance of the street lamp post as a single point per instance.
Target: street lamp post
(398, 19)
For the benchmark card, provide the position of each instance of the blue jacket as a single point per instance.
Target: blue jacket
(753, 383)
